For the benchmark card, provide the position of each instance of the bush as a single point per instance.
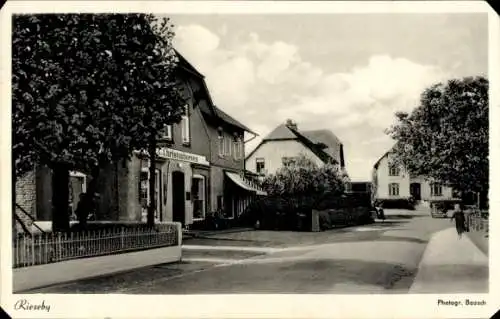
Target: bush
(402, 203)
(279, 213)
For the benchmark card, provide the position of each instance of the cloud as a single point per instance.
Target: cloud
(264, 83)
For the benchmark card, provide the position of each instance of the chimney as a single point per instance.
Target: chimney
(291, 124)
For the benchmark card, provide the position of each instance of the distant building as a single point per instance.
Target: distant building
(286, 142)
(392, 181)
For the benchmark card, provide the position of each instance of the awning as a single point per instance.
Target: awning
(241, 182)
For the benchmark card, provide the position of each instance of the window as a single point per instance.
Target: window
(221, 143)
(144, 188)
(198, 197)
(186, 136)
(287, 161)
(394, 189)
(260, 165)
(238, 151)
(227, 146)
(393, 170)
(157, 194)
(436, 189)
(166, 133)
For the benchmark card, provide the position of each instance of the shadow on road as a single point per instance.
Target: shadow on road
(309, 277)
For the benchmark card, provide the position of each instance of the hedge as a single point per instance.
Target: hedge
(281, 213)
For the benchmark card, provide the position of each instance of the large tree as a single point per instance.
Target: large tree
(445, 138)
(88, 89)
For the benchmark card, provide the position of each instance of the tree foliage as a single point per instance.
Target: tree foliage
(445, 138)
(303, 178)
(89, 89)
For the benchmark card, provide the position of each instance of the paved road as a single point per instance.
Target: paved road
(377, 258)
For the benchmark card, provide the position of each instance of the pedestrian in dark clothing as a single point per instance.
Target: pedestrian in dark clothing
(380, 213)
(459, 217)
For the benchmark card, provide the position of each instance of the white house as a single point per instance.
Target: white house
(391, 181)
(286, 142)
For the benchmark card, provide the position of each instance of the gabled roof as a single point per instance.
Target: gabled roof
(231, 120)
(210, 109)
(381, 157)
(330, 140)
(282, 132)
(285, 132)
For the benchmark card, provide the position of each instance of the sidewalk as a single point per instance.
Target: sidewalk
(451, 265)
(28, 278)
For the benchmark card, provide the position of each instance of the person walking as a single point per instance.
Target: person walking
(459, 216)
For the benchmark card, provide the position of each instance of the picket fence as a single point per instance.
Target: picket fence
(479, 223)
(38, 249)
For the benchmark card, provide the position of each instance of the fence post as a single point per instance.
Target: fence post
(58, 247)
(122, 237)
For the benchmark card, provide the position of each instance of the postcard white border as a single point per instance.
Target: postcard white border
(246, 306)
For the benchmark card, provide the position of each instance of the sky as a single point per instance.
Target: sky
(348, 73)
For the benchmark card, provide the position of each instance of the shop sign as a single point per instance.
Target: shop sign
(169, 153)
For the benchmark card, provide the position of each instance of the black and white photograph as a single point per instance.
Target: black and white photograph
(211, 156)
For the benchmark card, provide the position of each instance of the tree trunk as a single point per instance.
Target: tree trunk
(60, 198)
(152, 182)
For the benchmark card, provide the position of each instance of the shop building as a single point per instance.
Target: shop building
(199, 167)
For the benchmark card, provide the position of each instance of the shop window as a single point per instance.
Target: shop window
(144, 189)
(157, 195)
(198, 197)
(393, 189)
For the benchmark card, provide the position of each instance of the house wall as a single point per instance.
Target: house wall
(425, 189)
(404, 181)
(199, 136)
(274, 151)
(228, 161)
(216, 186)
(25, 196)
(383, 181)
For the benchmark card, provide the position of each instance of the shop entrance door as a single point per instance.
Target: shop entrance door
(178, 201)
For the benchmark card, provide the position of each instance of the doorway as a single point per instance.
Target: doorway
(178, 201)
(415, 191)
